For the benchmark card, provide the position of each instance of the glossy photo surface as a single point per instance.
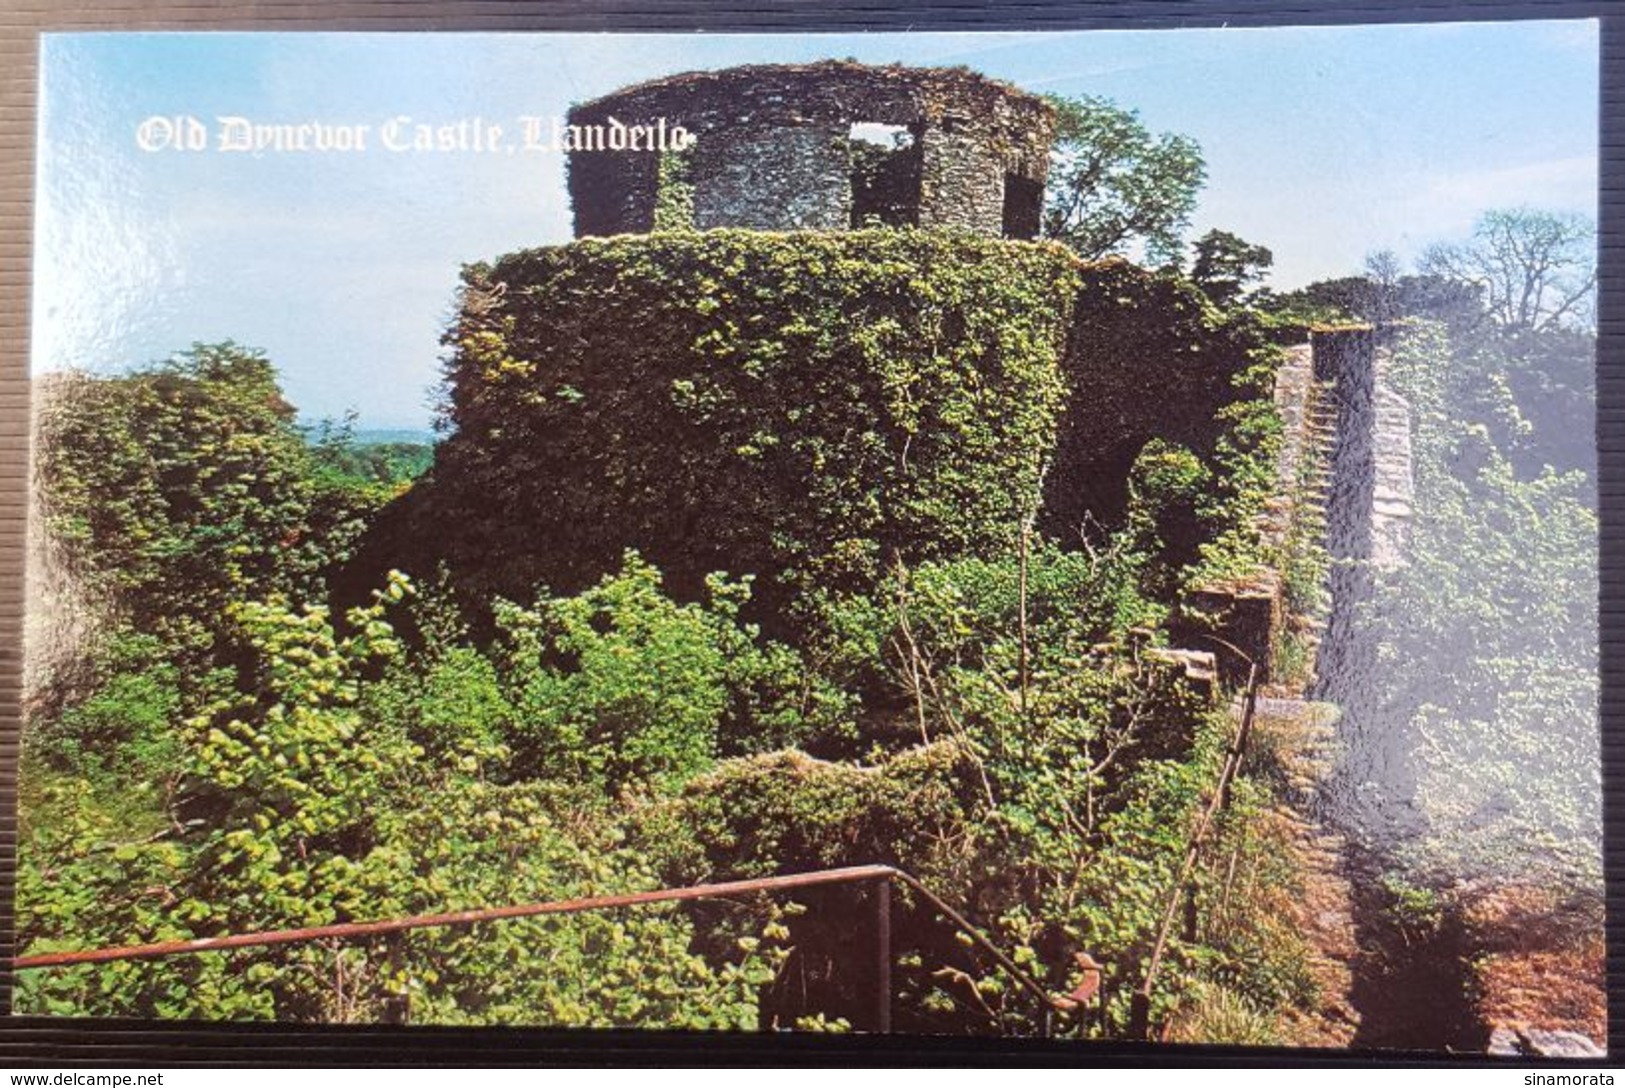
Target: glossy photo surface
(1087, 536)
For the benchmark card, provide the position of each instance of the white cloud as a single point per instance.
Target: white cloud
(1452, 201)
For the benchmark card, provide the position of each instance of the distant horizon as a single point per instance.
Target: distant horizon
(1324, 144)
(373, 435)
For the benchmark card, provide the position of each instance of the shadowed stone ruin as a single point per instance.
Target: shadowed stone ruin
(826, 146)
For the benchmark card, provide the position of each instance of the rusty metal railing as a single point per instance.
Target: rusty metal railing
(1181, 889)
(879, 876)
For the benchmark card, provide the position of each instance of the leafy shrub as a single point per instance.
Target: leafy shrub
(453, 704)
(1244, 465)
(1025, 819)
(620, 683)
(783, 812)
(757, 814)
(1167, 486)
(123, 726)
(300, 809)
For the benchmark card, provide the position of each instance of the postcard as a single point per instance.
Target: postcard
(1088, 536)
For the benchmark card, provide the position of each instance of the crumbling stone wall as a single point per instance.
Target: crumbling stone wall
(769, 178)
(774, 149)
(1349, 358)
(1347, 660)
(1243, 620)
(1373, 487)
(1144, 360)
(886, 185)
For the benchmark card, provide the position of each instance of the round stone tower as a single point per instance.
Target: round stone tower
(827, 146)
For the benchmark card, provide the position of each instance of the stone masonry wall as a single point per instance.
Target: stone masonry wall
(1368, 509)
(1348, 358)
(773, 148)
(962, 181)
(769, 178)
(1367, 503)
(624, 188)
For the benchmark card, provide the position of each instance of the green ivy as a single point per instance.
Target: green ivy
(799, 407)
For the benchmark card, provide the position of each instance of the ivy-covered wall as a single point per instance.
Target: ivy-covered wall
(801, 407)
(1148, 357)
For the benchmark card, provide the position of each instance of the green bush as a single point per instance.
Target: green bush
(1167, 487)
(959, 616)
(785, 810)
(123, 727)
(301, 808)
(619, 683)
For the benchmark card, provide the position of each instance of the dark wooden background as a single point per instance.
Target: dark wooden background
(36, 1041)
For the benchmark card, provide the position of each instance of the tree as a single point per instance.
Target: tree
(1112, 183)
(1537, 270)
(177, 487)
(1384, 276)
(1489, 633)
(1226, 265)
(1520, 301)
(170, 489)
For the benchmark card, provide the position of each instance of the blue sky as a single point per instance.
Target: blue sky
(1322, 143)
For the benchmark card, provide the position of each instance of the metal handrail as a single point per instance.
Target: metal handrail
(455, 918)
(1235, 751)
(880, 875)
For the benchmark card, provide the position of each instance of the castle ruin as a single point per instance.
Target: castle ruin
(832, 147)
(827, 146)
